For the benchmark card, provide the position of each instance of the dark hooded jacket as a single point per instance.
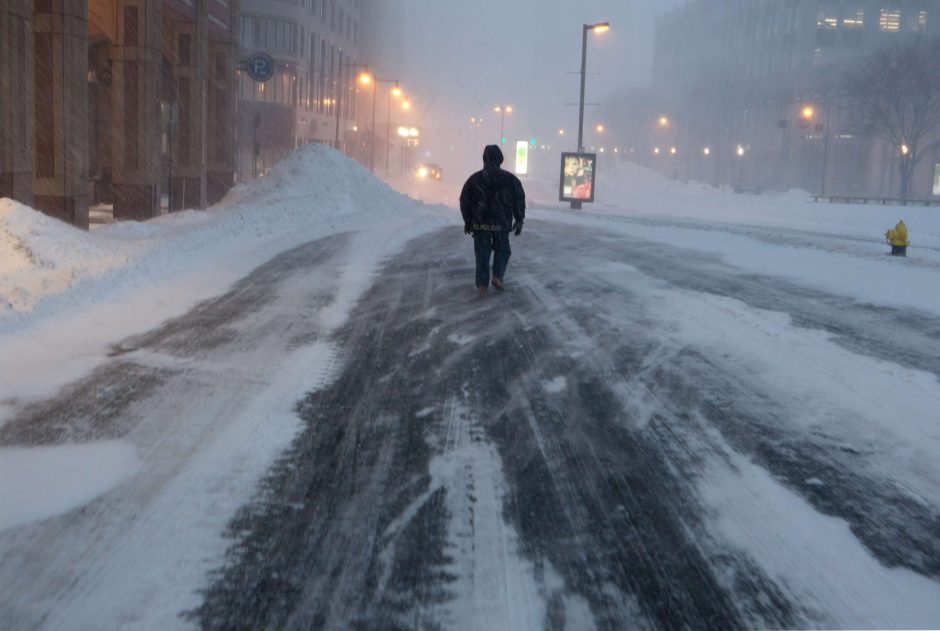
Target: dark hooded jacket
(492, 198)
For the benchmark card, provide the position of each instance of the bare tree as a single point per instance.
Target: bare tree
(896, 93)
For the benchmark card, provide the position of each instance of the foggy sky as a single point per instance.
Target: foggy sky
(460, 58)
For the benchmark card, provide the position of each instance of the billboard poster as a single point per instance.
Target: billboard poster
(577, 177)
(522, 157)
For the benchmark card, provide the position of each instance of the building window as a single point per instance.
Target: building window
(281, 89)
(917, 21)
(854, 19)
(936, 175)
(827, 20)
(269, 33)
(890, 20)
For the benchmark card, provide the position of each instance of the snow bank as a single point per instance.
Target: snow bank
(40, 255)
(47, 266)
(633, 187)
(317, 173)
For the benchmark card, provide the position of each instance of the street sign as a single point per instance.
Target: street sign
(522, 157)
(260, 67)
(577, 177)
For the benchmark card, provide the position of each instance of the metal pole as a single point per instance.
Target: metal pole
(584, 32)
(336, 103)
(576, 205)
(502, 122)
(375, 82)
(826, 136)
(388, 132)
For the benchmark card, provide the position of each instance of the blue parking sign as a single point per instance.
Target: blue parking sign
(260, 67)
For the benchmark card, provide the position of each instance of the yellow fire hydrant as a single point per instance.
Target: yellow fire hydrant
(898, 239)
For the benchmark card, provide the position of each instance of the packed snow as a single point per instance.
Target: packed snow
(66, 295)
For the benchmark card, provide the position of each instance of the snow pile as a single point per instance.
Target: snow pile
(50, 267)
(627, 186)
(318, 173)
(40, 255)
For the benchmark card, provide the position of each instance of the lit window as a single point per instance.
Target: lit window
(917, 21)
(936, 175)
(855, 18)
(890, 20)
(826, 20)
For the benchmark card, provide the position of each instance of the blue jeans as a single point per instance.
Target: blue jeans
(497, 244)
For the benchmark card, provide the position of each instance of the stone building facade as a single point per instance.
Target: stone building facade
(754, 91)
(122, 102)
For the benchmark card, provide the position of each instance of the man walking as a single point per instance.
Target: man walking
(492, 204)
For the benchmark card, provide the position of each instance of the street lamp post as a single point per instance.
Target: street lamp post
(375, 82)
(339, 96)
(600, 27)
(502, 110)
(388, 125)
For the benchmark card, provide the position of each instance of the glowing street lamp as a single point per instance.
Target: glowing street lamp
(502, 111)
(598, 28)
(600, 129)
(664, 121)
(740, 151)
(561, 132)
(396, 91)
(707, 151)
(905, 150)
(340, 90)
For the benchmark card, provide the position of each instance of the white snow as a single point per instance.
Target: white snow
(814, 557)
(66, 295)
(556, 385)
(41, 482)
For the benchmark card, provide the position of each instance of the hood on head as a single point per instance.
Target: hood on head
(492, 157)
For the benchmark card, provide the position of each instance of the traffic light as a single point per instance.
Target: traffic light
(532, 141)
(504, 140)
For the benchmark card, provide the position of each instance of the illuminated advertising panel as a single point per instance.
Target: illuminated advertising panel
(936, 180)
(522, 157)
(577, 177)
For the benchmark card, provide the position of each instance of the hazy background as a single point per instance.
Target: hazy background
(458, 59)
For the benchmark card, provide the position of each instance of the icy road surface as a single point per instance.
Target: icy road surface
(631, 436)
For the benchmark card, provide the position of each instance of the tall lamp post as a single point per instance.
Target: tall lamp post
(388, 125)
(502, 110)
(364, 78)
(599, 27)
(375, 82)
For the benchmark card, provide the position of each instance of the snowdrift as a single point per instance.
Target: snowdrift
(314, 192)
(40, 255)
(317, 177)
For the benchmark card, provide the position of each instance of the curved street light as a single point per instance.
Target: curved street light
(396, 91)
(502, 110)
(340, 90)
(599, 27)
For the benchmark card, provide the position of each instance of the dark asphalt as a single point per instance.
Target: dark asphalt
(596, 476)
(604, 497)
